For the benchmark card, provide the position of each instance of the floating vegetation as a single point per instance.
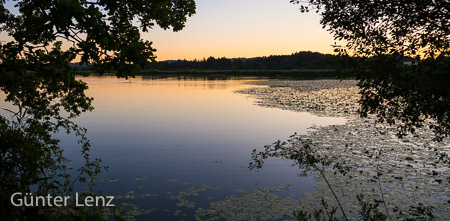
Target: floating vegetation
(172, 180)
(411, 171)
(107, 180)
(184, 200)
(133, 195)
(140, 179)
(191, 191)
(177, 213)
(331, 98)
(260, 204)
(408, 170)
(132, 211)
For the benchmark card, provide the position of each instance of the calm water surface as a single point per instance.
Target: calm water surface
(161, 136)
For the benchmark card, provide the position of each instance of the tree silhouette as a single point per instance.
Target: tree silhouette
(400, 52)
(36, 77)
(298, 60)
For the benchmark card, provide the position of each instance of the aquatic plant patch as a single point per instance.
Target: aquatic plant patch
(414, 169)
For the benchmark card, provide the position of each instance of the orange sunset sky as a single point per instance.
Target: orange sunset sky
(243, 28)
(240, 28)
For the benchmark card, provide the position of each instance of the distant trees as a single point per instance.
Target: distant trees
(299, 60)
(377, 36)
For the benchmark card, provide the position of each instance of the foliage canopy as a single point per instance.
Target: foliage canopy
(37, 78)
(400, 51)
(103, 32)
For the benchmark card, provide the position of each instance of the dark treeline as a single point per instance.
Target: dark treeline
(300, 60)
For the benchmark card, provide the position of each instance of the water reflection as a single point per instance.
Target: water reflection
(211, 82)
(166, 136)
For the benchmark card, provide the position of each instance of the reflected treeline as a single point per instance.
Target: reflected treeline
(235, 75)
(197, 77)
(206, 82)
(293, 74)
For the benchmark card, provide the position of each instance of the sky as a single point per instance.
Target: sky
(241, 28)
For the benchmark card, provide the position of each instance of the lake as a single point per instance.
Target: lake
(177, 144)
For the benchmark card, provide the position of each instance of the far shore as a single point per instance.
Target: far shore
(223, 74)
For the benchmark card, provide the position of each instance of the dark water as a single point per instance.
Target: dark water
(164, 136)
